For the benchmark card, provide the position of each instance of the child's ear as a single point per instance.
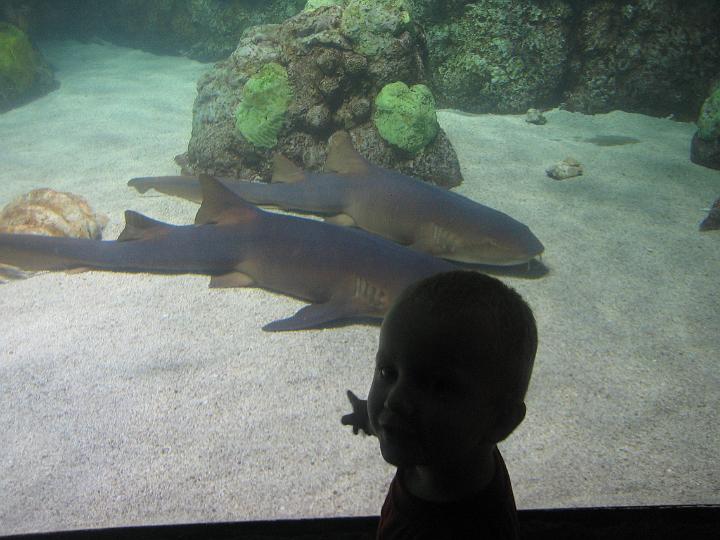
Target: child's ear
(510, 414)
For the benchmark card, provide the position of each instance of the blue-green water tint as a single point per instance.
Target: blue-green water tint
(130, 399)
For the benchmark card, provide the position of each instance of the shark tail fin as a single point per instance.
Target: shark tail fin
(140, 227)
(286, 171)
(222, 205)
(342, 157)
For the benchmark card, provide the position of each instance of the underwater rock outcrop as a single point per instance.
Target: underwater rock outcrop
(705, 146)
(648, 56)
(48, 212)
(594, 56)
(712, 220)
(24, 74)
(497, 56)
(334, 76)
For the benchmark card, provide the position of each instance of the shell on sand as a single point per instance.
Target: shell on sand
(50, 213)
(567, 168)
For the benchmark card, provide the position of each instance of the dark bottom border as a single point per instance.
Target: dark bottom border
(616, 523)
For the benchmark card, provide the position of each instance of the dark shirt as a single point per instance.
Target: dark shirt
(490, 514)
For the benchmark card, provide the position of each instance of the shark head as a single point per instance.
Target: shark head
(502, 241)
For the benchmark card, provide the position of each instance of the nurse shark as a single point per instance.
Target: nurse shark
(343, 273)
(355, 192)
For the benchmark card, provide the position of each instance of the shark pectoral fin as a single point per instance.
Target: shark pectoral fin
(286, 171)
(316, 316)
(139, 227)
(341, 219)
(230, 280)
(342, 157)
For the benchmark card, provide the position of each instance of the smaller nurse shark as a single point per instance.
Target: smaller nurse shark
(355, 192)
(343, 273)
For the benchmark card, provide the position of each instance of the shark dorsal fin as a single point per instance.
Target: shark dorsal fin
(221, 205)
(139, 227)
(342, 157)
(286, 171)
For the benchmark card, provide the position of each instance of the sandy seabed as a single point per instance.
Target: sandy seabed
(138, 399)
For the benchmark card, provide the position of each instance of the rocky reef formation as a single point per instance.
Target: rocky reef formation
(591, 56)
(24, 73)
(288, 87)
(497, 56)
(649, 56)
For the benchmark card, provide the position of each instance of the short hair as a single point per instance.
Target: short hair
(497, 311)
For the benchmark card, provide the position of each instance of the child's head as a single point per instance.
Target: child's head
(453, 364)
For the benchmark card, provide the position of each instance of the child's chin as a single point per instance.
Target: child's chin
(400, 456)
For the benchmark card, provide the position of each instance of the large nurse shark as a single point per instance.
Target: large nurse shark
(401, 208)
(343, 273)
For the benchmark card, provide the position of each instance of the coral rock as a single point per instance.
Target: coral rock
(50, 213)
(705, 153)
(24, 74)
(334, 73)
(567, 168)
(533, 116)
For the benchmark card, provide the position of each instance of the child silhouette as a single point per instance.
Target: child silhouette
(452, 368)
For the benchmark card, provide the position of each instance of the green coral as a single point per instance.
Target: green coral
(19, 62)
(266, 98)
(372, 24)
(405, 116)
(709, 121)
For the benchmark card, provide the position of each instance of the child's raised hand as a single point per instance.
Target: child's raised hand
(358, 418)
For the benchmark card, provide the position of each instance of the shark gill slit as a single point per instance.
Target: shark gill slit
(444, 240)
(373, 296)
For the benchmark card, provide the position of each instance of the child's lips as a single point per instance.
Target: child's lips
(393, 435)
(396, 428)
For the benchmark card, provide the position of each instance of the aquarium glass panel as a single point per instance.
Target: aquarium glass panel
(207, 209)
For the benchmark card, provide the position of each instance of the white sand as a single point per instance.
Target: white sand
(136, 399)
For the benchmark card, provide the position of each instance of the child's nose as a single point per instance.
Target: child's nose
(399, 399)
